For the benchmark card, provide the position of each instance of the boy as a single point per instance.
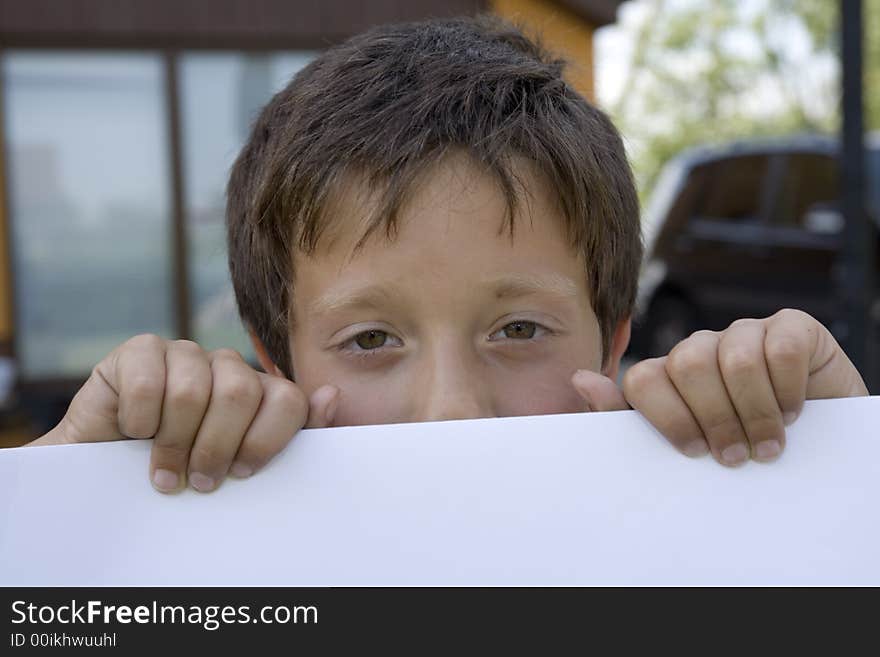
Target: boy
(428, 223)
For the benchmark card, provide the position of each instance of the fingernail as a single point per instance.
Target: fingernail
(202, 483)
(331, 409)
(789, 417)
(768, 449)
(241, 470)
(165, 480)
(696, 448)
(735, 454)
(581, 375)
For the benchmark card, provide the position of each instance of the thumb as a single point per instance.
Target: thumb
(322, 407)
(600, 392)
(91, 416)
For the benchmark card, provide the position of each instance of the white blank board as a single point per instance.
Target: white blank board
(587, 499)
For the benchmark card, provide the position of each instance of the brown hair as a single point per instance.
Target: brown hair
(390, 102)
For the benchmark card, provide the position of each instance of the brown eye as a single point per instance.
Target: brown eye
(520, 330)
(371, 339)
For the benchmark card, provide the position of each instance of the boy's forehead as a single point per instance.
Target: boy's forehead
(454, 188)
(452, 243)
(451, 251)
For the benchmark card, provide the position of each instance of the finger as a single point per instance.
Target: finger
(187, 393)
(747, 379)
(649, 390)
(121, 398)
(138, 375)
(236, 393)
(322, 406)
(692, 366)
(789, 343)
(805, 362)
(93, 414)
(282, 412)
(600, 392)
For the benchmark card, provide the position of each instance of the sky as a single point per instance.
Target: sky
(613, 45)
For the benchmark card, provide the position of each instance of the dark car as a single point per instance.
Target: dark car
(743, 230)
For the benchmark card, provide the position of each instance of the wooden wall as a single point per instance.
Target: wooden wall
(563, 31)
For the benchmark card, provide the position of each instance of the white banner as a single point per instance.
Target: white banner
(597, 498)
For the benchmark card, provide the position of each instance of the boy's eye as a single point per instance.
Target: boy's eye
(519, 330)
(524, 330)
(372, 342)
(371, 339)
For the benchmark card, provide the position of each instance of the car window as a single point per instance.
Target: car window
(809, 184)
(873, 181)
(732, 188)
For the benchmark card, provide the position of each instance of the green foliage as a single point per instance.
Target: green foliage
(872, 64)
(713, 70)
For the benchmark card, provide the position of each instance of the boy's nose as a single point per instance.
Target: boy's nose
(451, 405)
(454, 389)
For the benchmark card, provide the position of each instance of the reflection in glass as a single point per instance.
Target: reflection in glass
(90, 205)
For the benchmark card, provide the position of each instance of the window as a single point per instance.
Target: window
(89, 178)
(90, 205)
(809, 185)
(733, 188)
(221, 95)
(872, 179)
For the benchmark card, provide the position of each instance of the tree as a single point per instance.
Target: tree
(713, 70)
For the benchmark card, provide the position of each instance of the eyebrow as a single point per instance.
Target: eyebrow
(521, 285)
(512, 286)
(369, 297)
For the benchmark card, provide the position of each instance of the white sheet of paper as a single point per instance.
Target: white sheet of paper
(595, 498)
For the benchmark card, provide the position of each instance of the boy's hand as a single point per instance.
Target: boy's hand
(210, 413)
(733, 391)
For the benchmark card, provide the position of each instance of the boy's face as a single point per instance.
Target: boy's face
(450, 319)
